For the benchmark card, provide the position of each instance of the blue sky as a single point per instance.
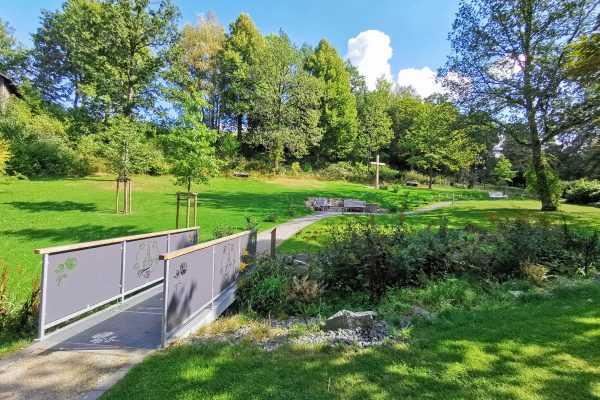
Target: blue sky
(406, 40)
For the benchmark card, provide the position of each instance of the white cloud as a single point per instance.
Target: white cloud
(422, 80)
(370, 52)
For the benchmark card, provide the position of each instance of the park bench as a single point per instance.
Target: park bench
(242, 174)
(354, 205)
(321, 204)
(412, 183)
(497, 195)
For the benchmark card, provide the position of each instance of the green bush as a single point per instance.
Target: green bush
(367, 257)
(415, 176)
(271, 216)
(583, 191)
(276, 287)
(346, 171)
(222, 231)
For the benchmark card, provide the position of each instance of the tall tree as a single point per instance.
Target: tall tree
(285, 110)
(202, 50)
(108, 53)
(190, 145)
(240, 55)
(503, 170)
(508, 58)
(375, 125)
(435, 141)
(13, 56)
(338, 106)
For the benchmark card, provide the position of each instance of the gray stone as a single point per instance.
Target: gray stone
(350, 320)
(516, 293)
(420, 312)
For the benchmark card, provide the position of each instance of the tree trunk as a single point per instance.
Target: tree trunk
(430, 170)
(542, 187)
(240, 121)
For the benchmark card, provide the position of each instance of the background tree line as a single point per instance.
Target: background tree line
(116, 85)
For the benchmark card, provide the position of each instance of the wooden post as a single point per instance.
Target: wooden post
(129, 197)
(452, 198)
(117, 199)
(177, 215)
(125, 196)
(273, 242)
(195, 208)
(187, 212)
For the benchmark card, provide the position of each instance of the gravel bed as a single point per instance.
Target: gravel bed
(286, 332)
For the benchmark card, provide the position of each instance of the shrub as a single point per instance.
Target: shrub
(276, 287)
(583, 191)
(291, 207)
(295, 168)
(416, 177)
(223, 230)
(272, 216)
(345, 171)
(535, 273)
(251, 222)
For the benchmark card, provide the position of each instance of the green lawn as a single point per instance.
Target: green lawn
(539, 348)
(481, 213)
(50, 212)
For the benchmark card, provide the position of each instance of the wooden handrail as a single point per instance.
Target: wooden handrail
(191, 249)
(85, 245)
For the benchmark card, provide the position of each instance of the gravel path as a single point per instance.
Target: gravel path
(290, 228)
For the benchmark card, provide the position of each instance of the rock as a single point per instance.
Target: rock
(516, 293)
(597, 276)
(350, 320)
(421, 312)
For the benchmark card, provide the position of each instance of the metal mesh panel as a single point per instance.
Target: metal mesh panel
(80, 279)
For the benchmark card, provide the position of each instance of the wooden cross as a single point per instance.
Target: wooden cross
(377, 165)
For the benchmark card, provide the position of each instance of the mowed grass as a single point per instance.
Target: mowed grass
(481, 213)
(537, 348)
(51, 212)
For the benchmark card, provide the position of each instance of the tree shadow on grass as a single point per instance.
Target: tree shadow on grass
(43, 206)
(74, 234)
(540, 349)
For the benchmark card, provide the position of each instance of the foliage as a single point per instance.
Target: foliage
(284, 115)
(18, 317)
(251, 222)
(275, 287)
(13, 56)
(551, 183)
(345, 170)
(125, 148)
(375, 125)
(536, 273)
(190, 144)
(38, 141)
(5, 155)
(338, 106)
(509, 59)
(223, 230)
(271, 216)
(583, 191)
(104, 54)
(434, 141)
(370, 258)
(503, 171)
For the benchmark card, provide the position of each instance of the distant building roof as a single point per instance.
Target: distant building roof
(10, 85)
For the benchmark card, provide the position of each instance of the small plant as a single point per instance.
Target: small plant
(272, 216)
(251, 222)
(305, 290)
(536, 273)
(223, 230)
(291, 207)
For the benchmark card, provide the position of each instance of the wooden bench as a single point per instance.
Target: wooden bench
(412, 183)
(497, 195)
(242, 174)
(350, 204)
